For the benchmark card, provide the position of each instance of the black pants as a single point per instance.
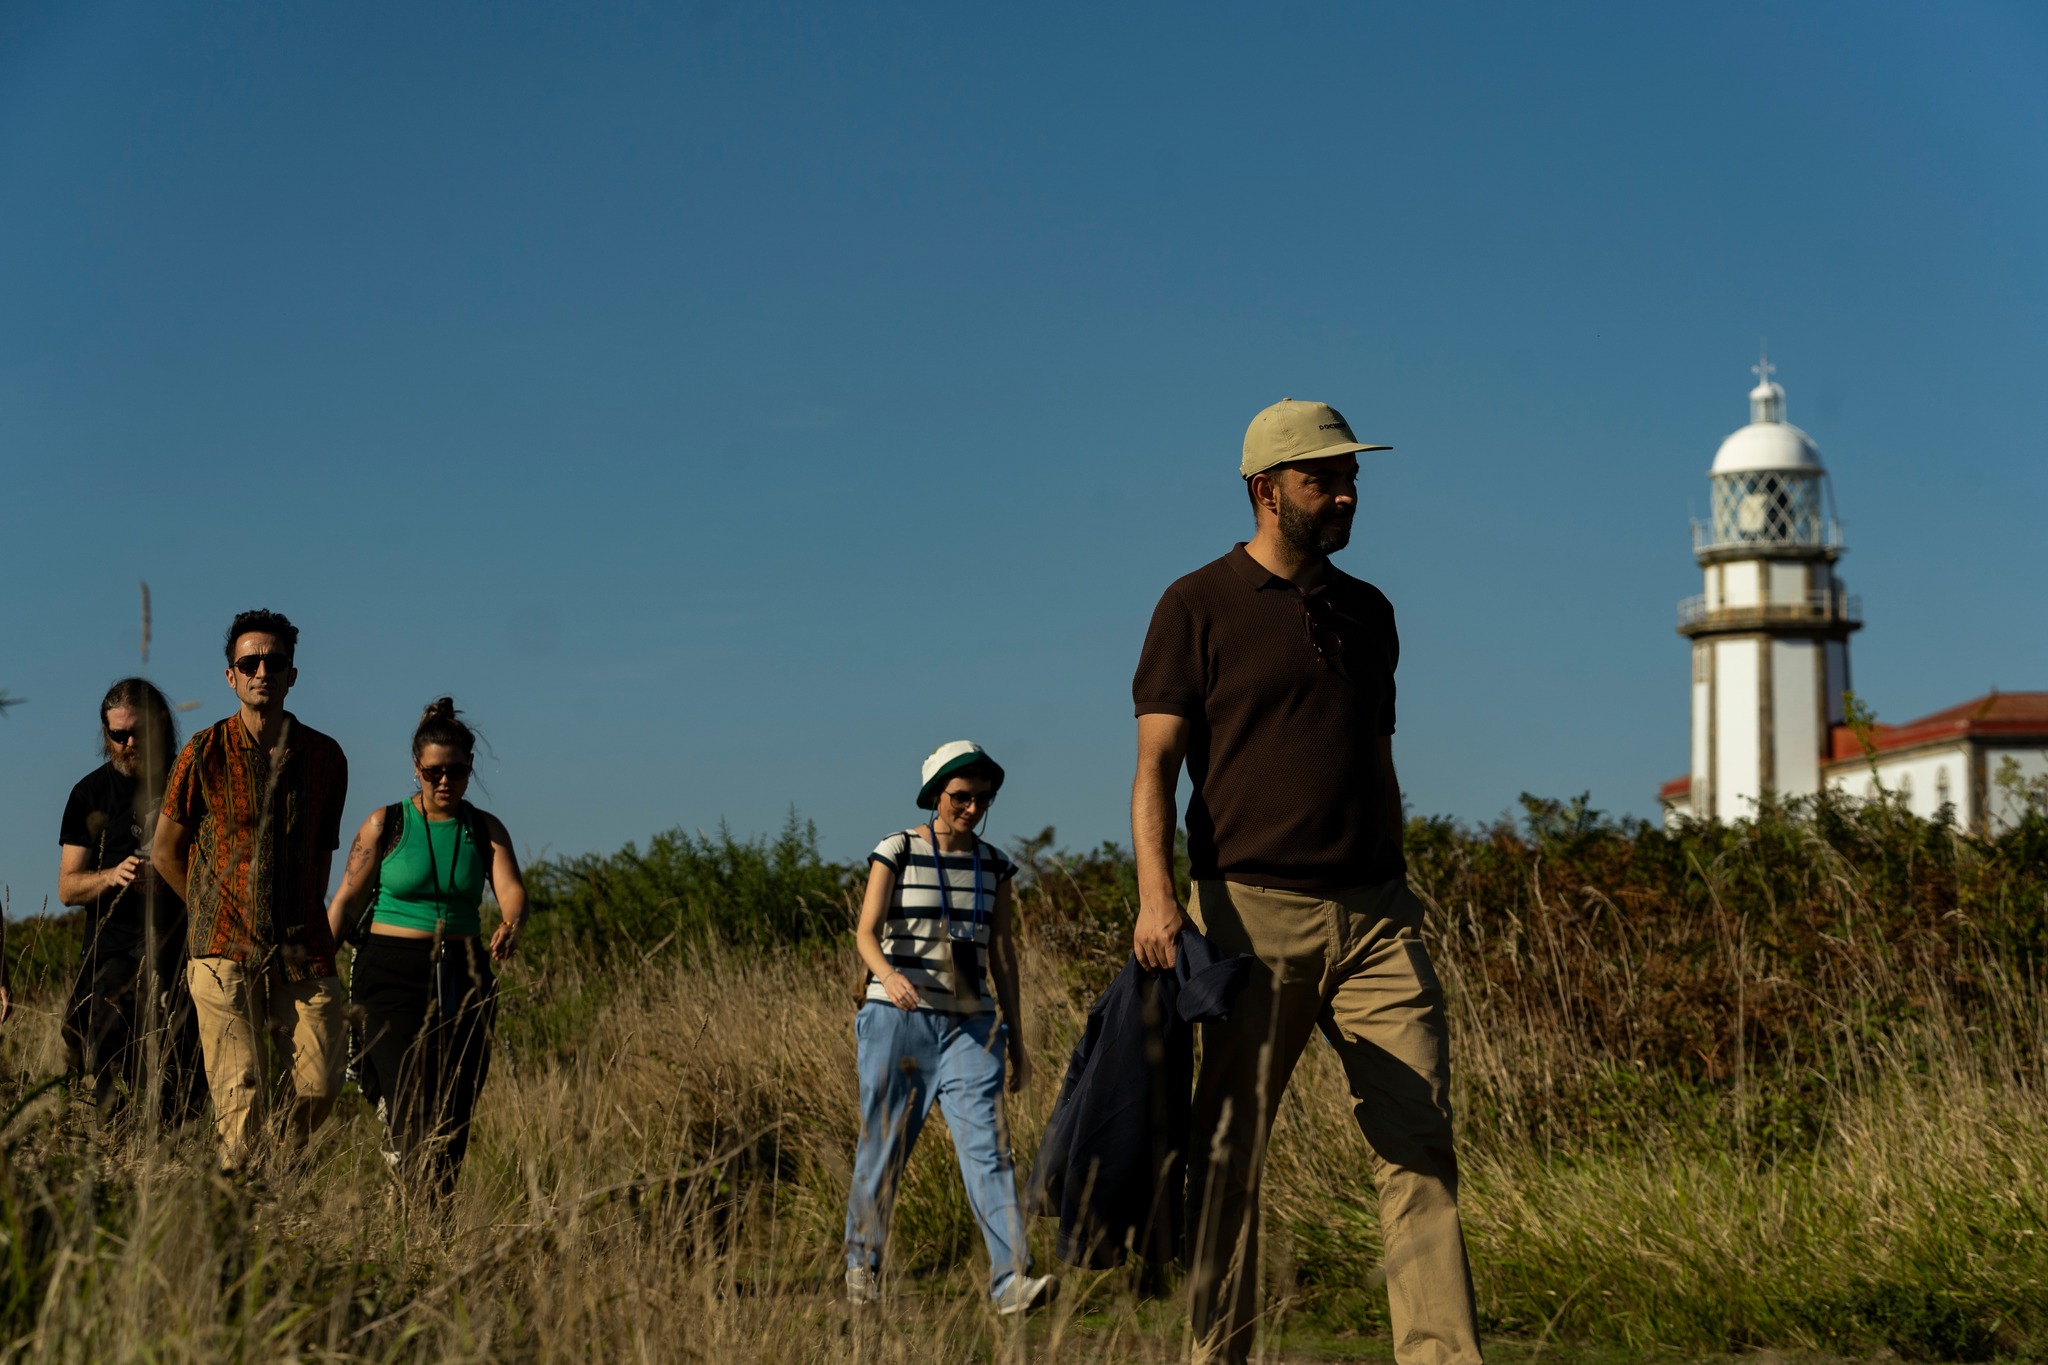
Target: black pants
(426, 1046)
(116, 999)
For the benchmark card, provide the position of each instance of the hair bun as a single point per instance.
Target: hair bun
(441, 723)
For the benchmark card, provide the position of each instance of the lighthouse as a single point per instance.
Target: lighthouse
(1770, 629)
(1770, 662)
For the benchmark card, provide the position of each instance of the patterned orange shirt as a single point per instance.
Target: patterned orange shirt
(257, 845)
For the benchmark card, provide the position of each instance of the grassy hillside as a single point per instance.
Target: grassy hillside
(1773, 1085)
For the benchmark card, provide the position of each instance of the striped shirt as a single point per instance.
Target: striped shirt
(914, 937)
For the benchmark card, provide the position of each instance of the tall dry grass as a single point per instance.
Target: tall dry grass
(669, 1186)
(1730, 1119)
(1906, 1213)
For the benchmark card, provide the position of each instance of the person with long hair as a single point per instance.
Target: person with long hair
(939, 1022)
(422, 974)
(128, 1023)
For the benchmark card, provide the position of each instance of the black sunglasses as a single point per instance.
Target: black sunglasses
(249, 664)
(121, 736)
(454, 772)
(1323, 636)
(962, 800)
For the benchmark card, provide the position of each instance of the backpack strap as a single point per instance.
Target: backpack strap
(394, 829)
(387, 839)
(479, 835)
(479, 838)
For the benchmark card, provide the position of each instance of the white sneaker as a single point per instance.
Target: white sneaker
(1027, 1293)
(862, 1285)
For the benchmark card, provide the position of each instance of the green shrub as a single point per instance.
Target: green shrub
(1080, 906)
(1704, 953)
(690, 887)
(43, 952)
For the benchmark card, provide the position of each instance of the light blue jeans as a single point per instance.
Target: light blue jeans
(908, 1059)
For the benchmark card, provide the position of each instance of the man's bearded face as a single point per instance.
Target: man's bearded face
(126, 722)
(1309, 532)
(132, 740)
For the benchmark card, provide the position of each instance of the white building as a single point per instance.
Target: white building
(1974, 757)
(1770, 657)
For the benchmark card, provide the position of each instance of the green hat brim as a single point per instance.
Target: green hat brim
(928, 794)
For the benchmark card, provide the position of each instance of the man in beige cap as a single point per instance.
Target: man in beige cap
(1270, 673)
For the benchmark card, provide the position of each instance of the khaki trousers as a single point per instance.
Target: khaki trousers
(238, 1009)
(1353, 966)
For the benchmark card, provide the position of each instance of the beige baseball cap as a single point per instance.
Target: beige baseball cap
(1294, 430)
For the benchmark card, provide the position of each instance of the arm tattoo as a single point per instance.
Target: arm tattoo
(360, 854)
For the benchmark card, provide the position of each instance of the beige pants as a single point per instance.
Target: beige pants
(239, 1008)
(1354, 967)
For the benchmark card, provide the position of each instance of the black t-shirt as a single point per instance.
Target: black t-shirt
(1288, 695)
(101, 817)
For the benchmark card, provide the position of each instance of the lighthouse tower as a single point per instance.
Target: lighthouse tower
(1770, 633)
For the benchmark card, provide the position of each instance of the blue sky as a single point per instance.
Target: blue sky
(727, 403)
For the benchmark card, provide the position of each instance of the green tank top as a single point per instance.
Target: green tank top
(435, 869)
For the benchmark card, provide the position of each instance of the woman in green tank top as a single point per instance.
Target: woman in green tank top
(422, 974)
(432, 880)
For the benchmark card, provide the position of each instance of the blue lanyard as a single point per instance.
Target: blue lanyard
(946, 883)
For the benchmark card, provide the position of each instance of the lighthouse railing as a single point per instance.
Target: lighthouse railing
(1824, 606)
(1703, 539)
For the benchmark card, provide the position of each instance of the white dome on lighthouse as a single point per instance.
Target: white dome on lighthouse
(1769, 441)
(1767, 445)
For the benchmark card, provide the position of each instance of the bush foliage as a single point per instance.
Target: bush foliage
(689, 887)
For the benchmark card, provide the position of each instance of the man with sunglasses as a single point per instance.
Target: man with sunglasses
(1270, 674)
(251, 818)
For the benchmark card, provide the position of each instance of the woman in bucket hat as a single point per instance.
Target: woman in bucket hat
(938, 1021)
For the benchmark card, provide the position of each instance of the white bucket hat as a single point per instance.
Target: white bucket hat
(948, 759)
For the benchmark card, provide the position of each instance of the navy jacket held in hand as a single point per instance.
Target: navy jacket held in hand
(1113, 1162)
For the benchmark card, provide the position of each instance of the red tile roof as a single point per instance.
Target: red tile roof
(2004, 715)
(1995, 715)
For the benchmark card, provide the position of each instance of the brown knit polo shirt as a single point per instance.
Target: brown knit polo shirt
(1288, 694)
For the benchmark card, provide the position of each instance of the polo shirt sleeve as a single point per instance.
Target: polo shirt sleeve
(1169, 679)
(184, 796)
(1393, 663)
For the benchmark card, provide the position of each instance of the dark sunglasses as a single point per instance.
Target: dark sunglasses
(1323, 637)
(962, 800)
(249, 664)
(123, 736)
(454, 772)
